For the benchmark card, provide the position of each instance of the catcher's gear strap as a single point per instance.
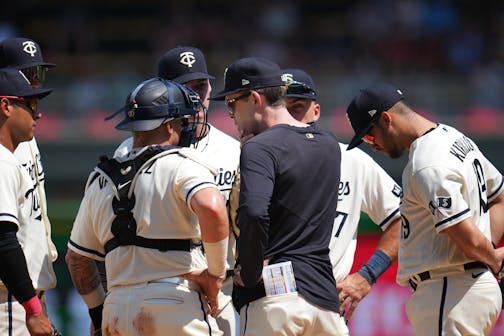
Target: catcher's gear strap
(190, 154)
(123, 176)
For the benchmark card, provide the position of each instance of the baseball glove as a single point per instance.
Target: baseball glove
(234, 196)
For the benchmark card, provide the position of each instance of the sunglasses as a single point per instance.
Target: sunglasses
(31, 103)
(36, 74)
(299, 88)
(231, 102)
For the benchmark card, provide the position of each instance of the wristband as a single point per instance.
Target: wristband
(32, 306)
(96, 316)
(376, 266)
(216, 254)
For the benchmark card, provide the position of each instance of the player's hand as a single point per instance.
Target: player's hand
(210, 286)
(351, 291)
(39, 325)
(499, 264)
(237, 280)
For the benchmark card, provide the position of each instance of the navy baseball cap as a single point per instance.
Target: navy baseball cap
(14, 83)
(366, 108)
(21, 53)
(299, 84)
(183, 64)
(250, 73)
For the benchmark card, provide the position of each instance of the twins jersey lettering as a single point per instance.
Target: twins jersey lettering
(20, 203)
(162, 211)
(364, 187)
(445, 170)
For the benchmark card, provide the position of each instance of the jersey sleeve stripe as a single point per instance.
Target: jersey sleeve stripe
(452, 218)
(389, 217)
(84, 249)
(196, 188)
(498, 191)
(3, 214)
(7, 217)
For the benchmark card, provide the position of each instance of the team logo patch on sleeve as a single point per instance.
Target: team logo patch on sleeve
(440, 202)
(444, 202)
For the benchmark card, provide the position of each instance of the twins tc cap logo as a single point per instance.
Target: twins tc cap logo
(187, 58)
(29, 47)
(287, 78)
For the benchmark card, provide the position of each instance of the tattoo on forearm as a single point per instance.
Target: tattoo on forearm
(84, 273)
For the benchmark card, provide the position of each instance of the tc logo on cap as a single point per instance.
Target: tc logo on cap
(287, 78)
(187, 58)
(30, 48)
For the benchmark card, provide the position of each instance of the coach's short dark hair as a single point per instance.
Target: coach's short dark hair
(275, 95)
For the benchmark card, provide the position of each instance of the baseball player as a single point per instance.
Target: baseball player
(284, 283)
(23, 246)
(364, 187)
(25, 54)
(187, 65)
(145, 214)
(445, 250)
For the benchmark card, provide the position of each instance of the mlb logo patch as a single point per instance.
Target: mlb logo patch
(397, 190)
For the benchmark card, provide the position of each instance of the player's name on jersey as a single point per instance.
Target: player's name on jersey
(461, 147)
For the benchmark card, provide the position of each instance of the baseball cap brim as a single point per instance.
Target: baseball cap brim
(363, 129)
(222, 95)
(31, 64)
(192, 76)
(37, 93)
(357, 138)
(302, 96)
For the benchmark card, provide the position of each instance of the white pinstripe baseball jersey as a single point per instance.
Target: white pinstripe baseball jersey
(364, 187)
(20, 204)
(447, 179)
(162, 210)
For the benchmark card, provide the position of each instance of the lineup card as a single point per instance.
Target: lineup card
(279, 279)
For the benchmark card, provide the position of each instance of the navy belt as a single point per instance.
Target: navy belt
(426, 275)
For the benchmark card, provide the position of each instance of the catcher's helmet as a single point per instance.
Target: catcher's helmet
(155, 102)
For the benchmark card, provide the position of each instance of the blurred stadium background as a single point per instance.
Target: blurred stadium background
(446, 56)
